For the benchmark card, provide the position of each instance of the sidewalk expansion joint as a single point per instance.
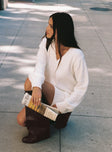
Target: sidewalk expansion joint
(9, 112)
(93, 116)
(60, 140)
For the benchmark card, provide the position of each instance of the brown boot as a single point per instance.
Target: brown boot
(37, 125)
(62, 120)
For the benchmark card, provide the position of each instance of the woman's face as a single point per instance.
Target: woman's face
(49, 29)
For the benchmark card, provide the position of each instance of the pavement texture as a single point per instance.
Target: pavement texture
(22, 25)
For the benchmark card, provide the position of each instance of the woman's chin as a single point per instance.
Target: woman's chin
(48, 36)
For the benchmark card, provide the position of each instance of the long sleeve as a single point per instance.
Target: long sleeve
(75, 98)
(37, 76)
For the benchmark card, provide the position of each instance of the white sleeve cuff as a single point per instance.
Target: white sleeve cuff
(36, 80)
(62, 107)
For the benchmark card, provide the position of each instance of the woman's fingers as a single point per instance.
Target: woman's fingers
(36, 96)
(36, 101)
(39, 101)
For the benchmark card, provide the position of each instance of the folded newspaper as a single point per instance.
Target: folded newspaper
(43, 109)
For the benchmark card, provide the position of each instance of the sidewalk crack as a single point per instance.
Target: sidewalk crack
(60, 140)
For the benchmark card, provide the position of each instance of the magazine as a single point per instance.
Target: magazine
(44, 109)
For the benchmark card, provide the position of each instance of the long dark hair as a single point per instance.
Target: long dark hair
(63, 23)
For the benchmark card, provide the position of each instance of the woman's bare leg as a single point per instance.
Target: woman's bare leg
(47, 90)
(21, 117)
(27, 85)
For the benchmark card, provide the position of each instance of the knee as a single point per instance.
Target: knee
(20, 120)
(27, 85)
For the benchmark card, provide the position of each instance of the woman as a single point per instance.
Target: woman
(60, 77)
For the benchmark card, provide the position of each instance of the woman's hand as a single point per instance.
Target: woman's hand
(36, 96)
(54, 106)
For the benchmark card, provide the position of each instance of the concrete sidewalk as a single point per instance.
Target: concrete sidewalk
(21, 27)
